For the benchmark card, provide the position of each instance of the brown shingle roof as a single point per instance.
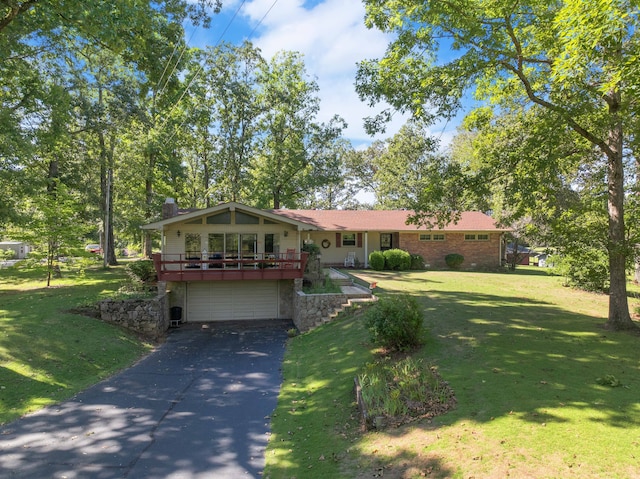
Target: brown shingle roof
(382, 220)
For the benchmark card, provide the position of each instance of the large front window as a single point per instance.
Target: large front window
(248, 245)
(232, 245)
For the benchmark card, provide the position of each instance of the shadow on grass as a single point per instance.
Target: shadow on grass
(531, 361)
(49, 354)
(506, 356)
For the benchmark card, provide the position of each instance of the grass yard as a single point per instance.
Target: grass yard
(48, 354)
(530, 364)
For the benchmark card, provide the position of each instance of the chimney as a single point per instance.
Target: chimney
(169, 208)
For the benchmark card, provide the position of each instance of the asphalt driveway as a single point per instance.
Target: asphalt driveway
(198, 407)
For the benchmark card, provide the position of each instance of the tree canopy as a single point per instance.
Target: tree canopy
(106, 101)
(575, 59)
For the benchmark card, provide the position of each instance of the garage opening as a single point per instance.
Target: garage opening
(231, 300)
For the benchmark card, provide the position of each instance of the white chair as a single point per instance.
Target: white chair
(350, 260)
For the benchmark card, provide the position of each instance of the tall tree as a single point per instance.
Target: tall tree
(403, 171)
(294, 147)
(146, 36)
(574, 58)
(229, 92)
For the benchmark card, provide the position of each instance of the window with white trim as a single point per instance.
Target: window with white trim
(476, 237)
(431, 237)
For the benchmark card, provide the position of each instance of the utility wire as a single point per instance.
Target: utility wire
(175, 66)
(262, 19)
(201, 67)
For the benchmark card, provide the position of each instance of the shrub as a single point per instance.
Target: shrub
(6, 254)
(454, 260)
(417, 261)
(311, 248)
(397, 259)
(395, 322)
(588, 271)
(376, 260)
(141, 271)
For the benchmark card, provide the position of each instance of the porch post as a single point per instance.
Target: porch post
(366, 249)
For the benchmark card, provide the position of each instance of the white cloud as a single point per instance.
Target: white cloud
(333, 39)
(329, 33)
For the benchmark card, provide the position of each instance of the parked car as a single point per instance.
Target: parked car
(93, 248)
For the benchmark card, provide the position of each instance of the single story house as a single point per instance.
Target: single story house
(233, 261)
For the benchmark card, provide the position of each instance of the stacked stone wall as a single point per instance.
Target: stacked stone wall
(149, 317)
(310, 310)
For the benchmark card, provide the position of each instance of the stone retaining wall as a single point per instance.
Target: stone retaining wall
(310, 310)
(149, 317)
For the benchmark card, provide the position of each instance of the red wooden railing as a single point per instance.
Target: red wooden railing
(179, 267)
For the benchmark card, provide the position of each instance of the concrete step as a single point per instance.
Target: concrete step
(355, 291)
(352, 302)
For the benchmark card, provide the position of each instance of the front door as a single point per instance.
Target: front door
(386, 241)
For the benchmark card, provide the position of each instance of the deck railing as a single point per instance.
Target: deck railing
(214, 267)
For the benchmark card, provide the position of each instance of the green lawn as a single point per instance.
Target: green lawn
(48, 354)
(522, 353)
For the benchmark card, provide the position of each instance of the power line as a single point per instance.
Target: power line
(201, 66)
(262, 19)
(175, 66)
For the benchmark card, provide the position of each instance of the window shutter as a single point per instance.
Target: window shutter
(338, 240)
(359, 240)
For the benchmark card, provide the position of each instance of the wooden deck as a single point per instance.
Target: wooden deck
(178, 268)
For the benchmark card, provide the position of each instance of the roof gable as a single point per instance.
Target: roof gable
(189, 216)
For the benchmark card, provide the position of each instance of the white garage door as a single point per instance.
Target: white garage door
(225, 300)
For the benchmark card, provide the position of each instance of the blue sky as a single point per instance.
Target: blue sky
(333, 39)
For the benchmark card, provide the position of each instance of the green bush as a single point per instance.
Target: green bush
(395, 322)
(397, 259)
(417, 262)
(376, 260)
(588, 271)
(141, 271)
(454, 260)
(311, 248)
(6, 254)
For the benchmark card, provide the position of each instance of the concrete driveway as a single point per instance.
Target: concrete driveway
(198, 407)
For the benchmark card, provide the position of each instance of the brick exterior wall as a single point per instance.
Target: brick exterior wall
(477, 254)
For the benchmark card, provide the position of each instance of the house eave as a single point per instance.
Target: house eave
(231, 206)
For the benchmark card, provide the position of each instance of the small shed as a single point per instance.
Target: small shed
(20, 249)
(523, 255)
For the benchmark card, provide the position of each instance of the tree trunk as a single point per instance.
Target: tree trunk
(619, 317)
(636, 250)
(276, 200)
(110, 249)
(206, 179)
(148, 242)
